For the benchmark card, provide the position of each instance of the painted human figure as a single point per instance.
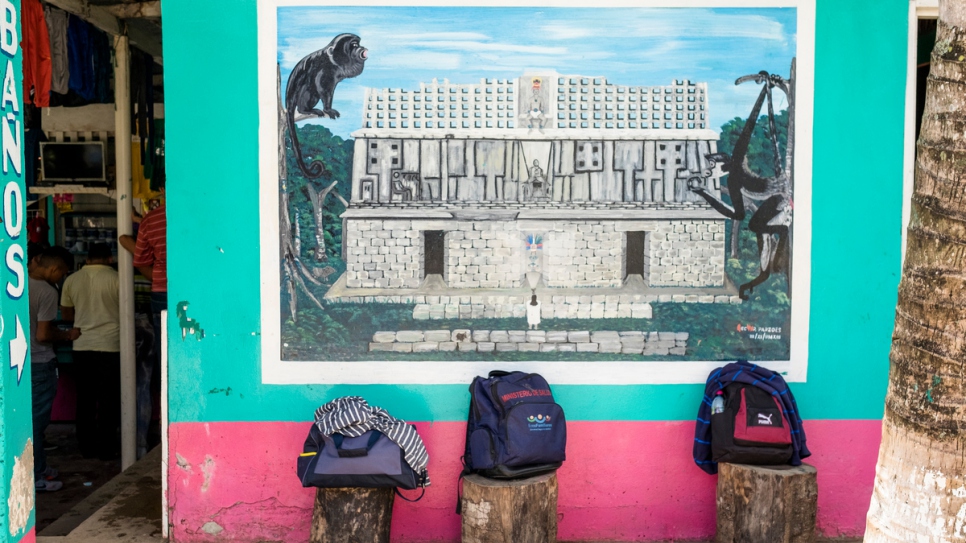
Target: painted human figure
(534, 116)
(533, 313)
(537, 183)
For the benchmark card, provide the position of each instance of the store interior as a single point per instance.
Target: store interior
(72, 154)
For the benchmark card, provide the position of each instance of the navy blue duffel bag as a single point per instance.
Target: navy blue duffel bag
(371, 460)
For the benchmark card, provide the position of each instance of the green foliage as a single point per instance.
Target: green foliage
(761, 157)
(318, 142)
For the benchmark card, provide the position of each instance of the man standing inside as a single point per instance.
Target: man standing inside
(90, 299)
(151, 259)
(44, 270)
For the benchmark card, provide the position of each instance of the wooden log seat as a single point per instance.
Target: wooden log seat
(766, 504)
(514, 511)
(352, 515)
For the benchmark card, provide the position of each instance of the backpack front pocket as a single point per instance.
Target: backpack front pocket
(481, 449)
(759, 421)
(536, 433)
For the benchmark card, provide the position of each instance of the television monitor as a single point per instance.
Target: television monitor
(72, 162)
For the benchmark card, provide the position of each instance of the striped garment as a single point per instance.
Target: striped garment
(352, 416)
(152, 248)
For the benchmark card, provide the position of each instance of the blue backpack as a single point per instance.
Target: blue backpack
(514, 429)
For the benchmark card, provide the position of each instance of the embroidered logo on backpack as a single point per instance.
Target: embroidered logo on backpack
(765, 420)
(540, 423)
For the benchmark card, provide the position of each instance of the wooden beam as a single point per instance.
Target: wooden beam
(146, 37)
(927, 9)
(103, 19)
(94, 15)
(150, 10)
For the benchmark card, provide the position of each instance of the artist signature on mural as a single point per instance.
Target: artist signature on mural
(761, 333)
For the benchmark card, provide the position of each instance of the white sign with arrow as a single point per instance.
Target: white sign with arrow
(18, 351)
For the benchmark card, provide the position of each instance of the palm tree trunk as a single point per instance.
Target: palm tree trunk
(920, 484)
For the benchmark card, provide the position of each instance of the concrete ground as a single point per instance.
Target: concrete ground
(121, 507)
(81, 476)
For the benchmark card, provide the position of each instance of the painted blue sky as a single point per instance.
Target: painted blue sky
(628, 46)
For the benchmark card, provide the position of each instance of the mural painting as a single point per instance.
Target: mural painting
(579, 188)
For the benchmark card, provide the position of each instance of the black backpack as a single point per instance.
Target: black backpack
(514, 428)
(752, 429)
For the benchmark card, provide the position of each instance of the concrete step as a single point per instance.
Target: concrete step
(125, 510)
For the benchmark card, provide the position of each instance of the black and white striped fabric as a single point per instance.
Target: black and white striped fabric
(352, 416)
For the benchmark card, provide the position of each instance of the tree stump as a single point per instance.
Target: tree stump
(352, 515)
(766, 504)
(516, 511)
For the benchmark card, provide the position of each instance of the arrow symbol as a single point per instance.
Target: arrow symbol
(18, 350)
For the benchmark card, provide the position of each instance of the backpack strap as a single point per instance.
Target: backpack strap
(422, 484)
(459, 486)
(459, 491)
(421, 494)
(498, 373)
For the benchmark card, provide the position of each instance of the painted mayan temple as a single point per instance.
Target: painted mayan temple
(563, 184)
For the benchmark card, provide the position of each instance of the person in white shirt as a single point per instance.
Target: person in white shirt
(90, 299)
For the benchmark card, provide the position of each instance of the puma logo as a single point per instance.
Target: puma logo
(765, 419)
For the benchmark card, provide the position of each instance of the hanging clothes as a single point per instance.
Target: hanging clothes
(80, 58)
(140, 183)
(103, 66)
(57, 30)
(36, 54)
(154, 167)
(142, 100)
(37, 230)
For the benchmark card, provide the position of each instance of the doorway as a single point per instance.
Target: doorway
(433, 254)
(634, 253)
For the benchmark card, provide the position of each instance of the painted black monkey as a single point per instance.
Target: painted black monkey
(313, 80)
(771, 221)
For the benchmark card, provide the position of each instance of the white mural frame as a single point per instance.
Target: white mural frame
(277, 371)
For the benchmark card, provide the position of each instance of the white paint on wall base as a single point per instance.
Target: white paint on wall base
(20, 500)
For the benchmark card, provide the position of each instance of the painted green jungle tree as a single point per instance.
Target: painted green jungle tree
(312, 197)
(760, 158)
(920, 483)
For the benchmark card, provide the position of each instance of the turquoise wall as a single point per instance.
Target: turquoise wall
(213, 230)
(15, 405)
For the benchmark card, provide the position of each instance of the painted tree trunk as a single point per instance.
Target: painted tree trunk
(318, 208)
(515, 511)
(766, 504)
(920, 485)
(352, 515)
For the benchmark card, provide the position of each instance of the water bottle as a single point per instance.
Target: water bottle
(717, 406)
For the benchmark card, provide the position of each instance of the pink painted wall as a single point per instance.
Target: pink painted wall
(29, 537)
(623, 481)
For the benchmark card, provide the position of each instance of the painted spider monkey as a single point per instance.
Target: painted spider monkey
(773, 216)
(313, 80)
